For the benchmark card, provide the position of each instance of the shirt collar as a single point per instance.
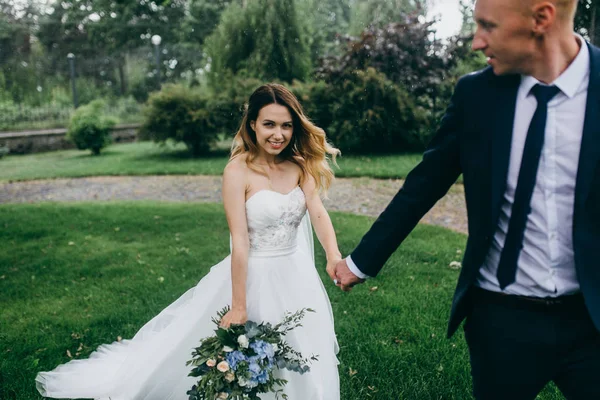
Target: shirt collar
(571, 79)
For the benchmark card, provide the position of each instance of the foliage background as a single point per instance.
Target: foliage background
(212, 45)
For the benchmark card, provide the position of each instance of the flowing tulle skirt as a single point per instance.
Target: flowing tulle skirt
(151, 366)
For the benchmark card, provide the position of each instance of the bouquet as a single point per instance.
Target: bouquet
(238, 363)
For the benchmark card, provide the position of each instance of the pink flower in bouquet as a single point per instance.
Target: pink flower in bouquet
(223, 366)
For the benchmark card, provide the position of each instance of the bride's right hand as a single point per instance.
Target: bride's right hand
(234, 317)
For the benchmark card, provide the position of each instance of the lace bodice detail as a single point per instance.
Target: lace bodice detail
(273, 218)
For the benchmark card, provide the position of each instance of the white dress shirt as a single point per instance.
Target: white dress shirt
(546, 266)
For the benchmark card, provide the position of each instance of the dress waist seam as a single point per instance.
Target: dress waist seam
(278, 252)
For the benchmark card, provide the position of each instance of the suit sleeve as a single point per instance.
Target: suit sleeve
(429, 181)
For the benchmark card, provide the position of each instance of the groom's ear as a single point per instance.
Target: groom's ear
(544, 14)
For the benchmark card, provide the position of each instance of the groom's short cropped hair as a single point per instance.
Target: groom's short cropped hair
(566, 8)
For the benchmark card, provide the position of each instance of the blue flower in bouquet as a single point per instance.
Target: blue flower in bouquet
(258, 374)
(263, 349)
(234, 358)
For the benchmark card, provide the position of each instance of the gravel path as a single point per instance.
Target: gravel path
(363, 196)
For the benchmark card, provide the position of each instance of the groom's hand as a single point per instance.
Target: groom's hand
(345, 278)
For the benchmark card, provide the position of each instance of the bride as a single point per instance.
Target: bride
(277, 172)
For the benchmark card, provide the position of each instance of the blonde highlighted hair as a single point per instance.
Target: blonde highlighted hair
(308, 147)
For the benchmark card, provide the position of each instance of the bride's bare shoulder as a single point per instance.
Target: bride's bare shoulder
(236, 164)
(236, 170)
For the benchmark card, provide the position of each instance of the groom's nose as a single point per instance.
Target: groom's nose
(478, 42)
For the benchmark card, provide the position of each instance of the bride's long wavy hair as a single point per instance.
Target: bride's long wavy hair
(308, 147)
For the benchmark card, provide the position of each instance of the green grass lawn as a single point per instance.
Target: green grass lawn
(146, 158)
(75, 276)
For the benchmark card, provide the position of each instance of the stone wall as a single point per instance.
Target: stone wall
(55, 139)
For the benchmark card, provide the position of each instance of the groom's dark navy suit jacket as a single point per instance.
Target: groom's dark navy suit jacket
(475, 139)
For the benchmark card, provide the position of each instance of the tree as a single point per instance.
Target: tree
(263, 39)
(404, 51)
(203, 17)
(60, 34)
(16, 27)
(370, 14)
(15, 31)
(326, 21)
(123, 25)
(467, 27)
(412, 59)
(102, 32)
(587, 20)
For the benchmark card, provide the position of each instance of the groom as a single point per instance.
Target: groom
(525, 134)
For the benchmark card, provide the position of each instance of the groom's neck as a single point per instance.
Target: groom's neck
(556, 51)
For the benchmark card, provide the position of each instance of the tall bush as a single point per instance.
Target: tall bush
(317, 99)
(179, 114)
(226, 104)
(373, 115)
(365, 113)
(90, 128)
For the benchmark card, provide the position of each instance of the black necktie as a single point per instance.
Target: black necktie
(507, 268)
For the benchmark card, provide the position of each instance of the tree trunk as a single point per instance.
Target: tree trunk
(123, 83)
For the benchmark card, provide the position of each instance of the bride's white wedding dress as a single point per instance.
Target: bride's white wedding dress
(281, 277)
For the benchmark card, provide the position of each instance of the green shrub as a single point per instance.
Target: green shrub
(227, 103)
(180, 114)
(316, 99)
(365, 113)
(90, 128)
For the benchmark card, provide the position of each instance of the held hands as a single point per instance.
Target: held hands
(343, 277)
(234, 317)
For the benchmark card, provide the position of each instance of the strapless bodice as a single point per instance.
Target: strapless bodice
(273, 219)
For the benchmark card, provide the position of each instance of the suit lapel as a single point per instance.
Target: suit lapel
(502, 123)
(589, 156)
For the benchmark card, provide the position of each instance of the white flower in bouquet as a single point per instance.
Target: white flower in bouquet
(229, 377)
(227, 349)
(223, 395)
(275, 347)
(243, 382)
(243, 341)
(211, 363)
(223, 366)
